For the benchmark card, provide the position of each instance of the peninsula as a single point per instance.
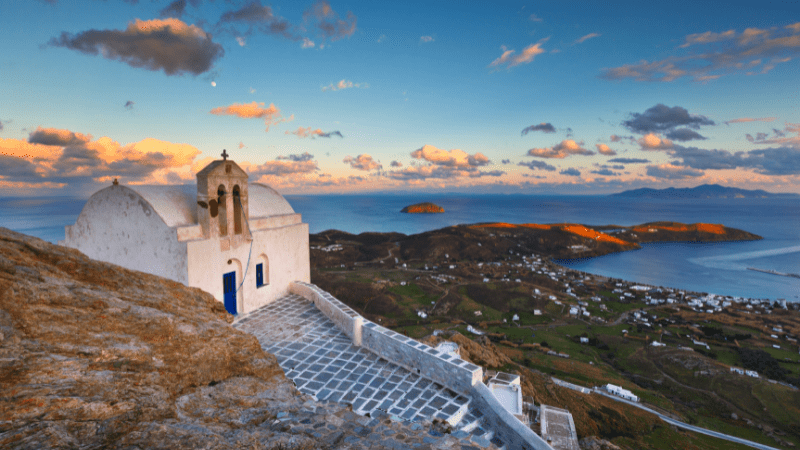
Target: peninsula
(423, 208)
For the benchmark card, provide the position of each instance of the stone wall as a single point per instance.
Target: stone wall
(443, 368)
(514, 433)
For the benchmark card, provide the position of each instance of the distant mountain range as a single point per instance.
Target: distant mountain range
(703, 191)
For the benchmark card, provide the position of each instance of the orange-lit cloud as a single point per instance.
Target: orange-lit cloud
(309, 132)
(271, 114)
(451, 158)
(652, 141)
(509, 59)
(73, 159)
(362, 162)
(604, 149)
(561, 150)
(588, 36)
(748, 119)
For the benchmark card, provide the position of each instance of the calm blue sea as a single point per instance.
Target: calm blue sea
(719, 268)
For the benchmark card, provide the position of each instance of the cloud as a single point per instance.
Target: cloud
(129, 105)
(271, 114)
(561, 150)
(362, 162)
(769, 161)
(537, 165)
(174, 9)
(57, 137)
(543, 127)
(241, 41)
(663, 118)
(617, 138)
(439, 172)
(588, 36)
(534, 18)
(451, 158)
(66, 158)
(684, 134)
(710, 55)
(328, 21)
(748, 119)
(308, 132)
(241, 145)
(506, 161)
(604, 149)
(779, 137)
(396, 164)
(344, 84)
(604, 172)
(670, 172)
(509, 59)
(426, 39)
(284, 168)
(300, 157)
(628, 160)
(652, 141)
(257, 18)
(573, 172)
(307, 43)
(159, 44)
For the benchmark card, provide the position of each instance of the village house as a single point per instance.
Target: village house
(239, 241)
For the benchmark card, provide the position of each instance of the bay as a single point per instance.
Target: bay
(719, 268)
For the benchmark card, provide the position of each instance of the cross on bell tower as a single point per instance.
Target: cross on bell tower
(224, 155)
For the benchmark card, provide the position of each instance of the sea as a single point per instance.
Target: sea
(720, 268)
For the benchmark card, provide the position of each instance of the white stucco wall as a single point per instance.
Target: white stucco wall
(286, 248)
(119, 226)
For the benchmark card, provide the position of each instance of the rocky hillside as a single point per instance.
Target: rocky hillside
(489, 241)
(94, 355)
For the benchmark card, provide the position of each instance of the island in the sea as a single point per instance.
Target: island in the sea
(702, 191)
(423, 208)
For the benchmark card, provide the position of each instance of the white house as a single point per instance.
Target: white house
(621, 392)
(241, 242)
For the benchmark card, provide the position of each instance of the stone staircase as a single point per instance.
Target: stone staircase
(322, 361)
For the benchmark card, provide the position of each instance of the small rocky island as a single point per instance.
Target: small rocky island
(423, 208)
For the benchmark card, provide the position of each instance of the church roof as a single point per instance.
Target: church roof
(177, 204)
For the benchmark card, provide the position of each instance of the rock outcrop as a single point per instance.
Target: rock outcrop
(423, 208)
(95, 355)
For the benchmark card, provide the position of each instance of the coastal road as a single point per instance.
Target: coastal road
(686, 426)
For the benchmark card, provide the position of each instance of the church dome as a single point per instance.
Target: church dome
(267, 202)
(177, 204)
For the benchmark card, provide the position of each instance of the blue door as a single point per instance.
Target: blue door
(229, 288)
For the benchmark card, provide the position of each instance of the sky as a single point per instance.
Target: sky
(315, 97)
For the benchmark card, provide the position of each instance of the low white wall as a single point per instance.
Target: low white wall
(349, 321)
(508, 428)
(443, 368)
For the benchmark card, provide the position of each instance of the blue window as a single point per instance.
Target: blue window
(259, 275)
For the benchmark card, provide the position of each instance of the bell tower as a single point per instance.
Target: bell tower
(222, 205)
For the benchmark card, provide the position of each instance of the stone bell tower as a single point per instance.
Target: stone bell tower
(222, 207)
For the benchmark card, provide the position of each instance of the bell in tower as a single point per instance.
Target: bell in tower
(222, 202)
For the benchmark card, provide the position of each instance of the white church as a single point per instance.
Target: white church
(241, 242)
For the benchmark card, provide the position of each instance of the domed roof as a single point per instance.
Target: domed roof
(177, 204)
(264, 201)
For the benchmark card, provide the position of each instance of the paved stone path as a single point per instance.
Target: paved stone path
(323, 362)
